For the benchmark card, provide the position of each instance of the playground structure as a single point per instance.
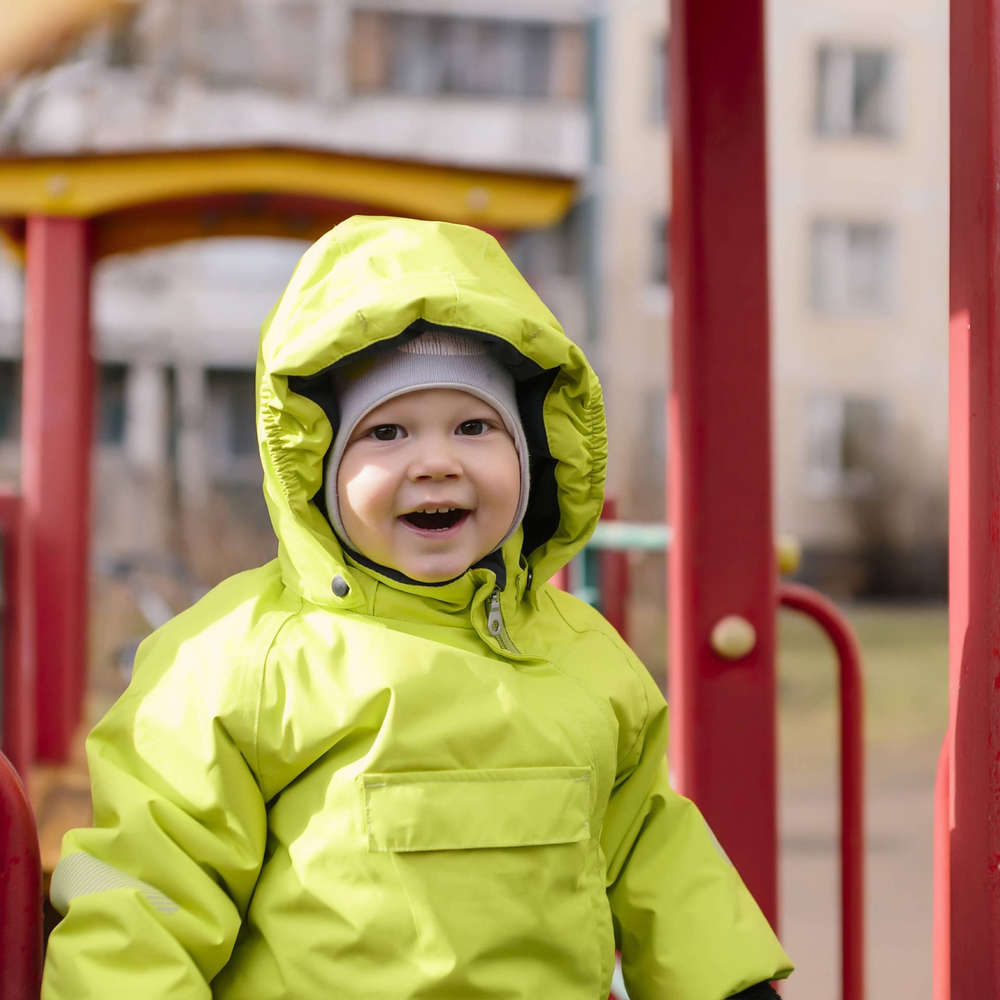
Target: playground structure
(65, 212)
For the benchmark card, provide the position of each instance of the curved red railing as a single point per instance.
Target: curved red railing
(20, 891)
(809, 602)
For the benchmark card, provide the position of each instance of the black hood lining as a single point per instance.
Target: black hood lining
(532, 384)
(492, 561)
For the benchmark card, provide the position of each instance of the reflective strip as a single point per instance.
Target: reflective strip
(717, 843)
(81, 874)
(618, 991)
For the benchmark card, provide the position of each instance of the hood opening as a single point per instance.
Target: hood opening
(532, 385)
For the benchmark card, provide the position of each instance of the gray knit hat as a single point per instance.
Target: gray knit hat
(434, 360)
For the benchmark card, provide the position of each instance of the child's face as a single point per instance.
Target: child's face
(429, 483)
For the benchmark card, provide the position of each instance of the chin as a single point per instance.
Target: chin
(433, 576)
(434, 571)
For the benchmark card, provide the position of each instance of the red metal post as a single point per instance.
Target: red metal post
(18, 637)
(614, 578)
(719, 478)
(941, 976)
(55, 466)
(852, 781)
(974, 502)
(20, 892)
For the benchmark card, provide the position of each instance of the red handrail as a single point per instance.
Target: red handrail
(941, 975)
(852, 845)
(20, 891)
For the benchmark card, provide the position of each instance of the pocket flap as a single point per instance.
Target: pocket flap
(454, 810)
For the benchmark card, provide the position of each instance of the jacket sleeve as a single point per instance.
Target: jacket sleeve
(154, 893)
(686, 925)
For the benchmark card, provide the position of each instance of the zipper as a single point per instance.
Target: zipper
(494, 622)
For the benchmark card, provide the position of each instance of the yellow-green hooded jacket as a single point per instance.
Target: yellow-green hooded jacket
(324, 782)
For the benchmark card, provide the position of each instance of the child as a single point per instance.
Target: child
(395, 762)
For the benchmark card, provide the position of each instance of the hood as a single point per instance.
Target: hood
(371, 280)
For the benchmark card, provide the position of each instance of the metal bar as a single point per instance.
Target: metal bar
(20, 891)
(55, 466)
(852, 780)
(719, 477)
(16, 625)
(635, 535)
(974, 502)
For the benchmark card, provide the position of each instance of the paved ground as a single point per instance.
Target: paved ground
(899, 807)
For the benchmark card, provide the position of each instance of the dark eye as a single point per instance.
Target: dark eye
(472, 427)
(386, 432)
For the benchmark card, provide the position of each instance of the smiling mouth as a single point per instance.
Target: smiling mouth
(437, 519)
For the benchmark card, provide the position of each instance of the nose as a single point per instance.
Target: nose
(435, 459)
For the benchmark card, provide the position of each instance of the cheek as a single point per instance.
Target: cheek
(363, 491)
(505, 476)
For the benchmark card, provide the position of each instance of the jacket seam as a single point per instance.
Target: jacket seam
(633, 667)
(260, 690)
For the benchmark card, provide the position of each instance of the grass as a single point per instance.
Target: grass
(904, 653)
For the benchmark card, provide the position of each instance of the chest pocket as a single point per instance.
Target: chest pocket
(476, 809)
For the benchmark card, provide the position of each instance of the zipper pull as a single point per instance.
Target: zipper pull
(495, 623)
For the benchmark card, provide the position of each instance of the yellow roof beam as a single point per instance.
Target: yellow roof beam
(100, 184)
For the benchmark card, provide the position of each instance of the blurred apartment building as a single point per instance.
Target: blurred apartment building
(858, 175)
(858, 146)
(859, 277)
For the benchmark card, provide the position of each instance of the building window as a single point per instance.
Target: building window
(845, 435)
(855, 91)
(288, 68)
(424, 55)
(10, 400)
(124, 51)
(231, 45)
(223, 41)
(556, 250)
(659, 252)
(109, 425)
(232, 432)
(659, 81)
(852, 266)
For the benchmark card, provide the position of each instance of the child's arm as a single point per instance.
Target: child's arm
(686, 925)
(154, 893)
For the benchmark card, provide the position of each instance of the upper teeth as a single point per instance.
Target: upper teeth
(435, 510)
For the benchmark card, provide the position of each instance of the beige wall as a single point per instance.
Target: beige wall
(895, 358)
(634, 181)
(900, 356)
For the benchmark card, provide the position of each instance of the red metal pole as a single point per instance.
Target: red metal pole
(974, 502)
(719, 478)
(20, 892)
(852, 781)
(614, 578)
(55, 466)
(940, 979)
(18, 637)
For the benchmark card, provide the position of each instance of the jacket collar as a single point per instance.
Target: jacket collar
(381, 592)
